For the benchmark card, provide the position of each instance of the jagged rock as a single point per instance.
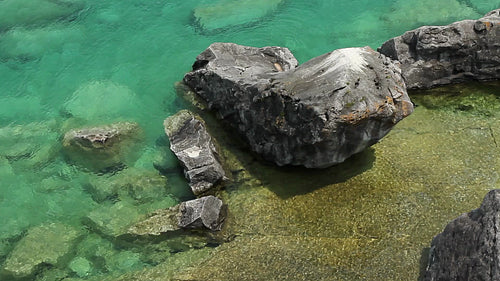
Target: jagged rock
(468, 248)
(206, 212)
(45, 244)
(100, 147)
(195, 149)
(317, 114)
(438, 55)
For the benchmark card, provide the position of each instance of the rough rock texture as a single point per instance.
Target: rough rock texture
(103, 146)
(205, 212)
(315, 115)
(468, 248)
(195, 149)
(158, 222)
(439, 55)
(45, 244)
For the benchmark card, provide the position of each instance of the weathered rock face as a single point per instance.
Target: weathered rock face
(206, 212)
(439, 55)
(468, 248)
(195, 149)
(315, 115)
(104, 146)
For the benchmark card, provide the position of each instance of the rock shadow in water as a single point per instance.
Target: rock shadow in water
(290, 181)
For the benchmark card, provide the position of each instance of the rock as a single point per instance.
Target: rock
(439, 55)
(140, 185)
(468, 248)
(225, 14)
(36, 12)
(158, 222)
(81, 266)
(206, 212)
(45, 244)
(315, 115)
(102, 100)
(97, 148)
(195, 149)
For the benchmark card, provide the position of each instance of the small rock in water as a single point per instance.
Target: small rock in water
(205, 212)
(195, 149)
(45, 244)
(81, 266)
(317, 114)
(468, 248)
(105, 146)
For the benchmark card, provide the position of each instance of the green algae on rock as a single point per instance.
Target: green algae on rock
(45, 244)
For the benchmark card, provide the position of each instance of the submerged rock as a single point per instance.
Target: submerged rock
(101, 147)
(35, 12)
(207, 212)
(195, 149)
(438, 55)
(317, 114)
(224, 14)
(45, 244)
(468, 248)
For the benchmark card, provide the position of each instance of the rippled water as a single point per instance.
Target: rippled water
(75, 63)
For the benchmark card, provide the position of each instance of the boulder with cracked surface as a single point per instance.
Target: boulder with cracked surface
(195, 149)
(439, 55)
(316, 114)
(206, 212)
(469, 246)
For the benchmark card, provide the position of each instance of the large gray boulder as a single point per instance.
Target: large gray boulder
(315, 115)
(438, 55)
(469, 247)
(195, 149)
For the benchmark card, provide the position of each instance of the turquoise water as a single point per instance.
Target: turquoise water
(71, 63)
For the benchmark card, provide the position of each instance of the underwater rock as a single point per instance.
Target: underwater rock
(224, 14)
(141, 186)
(158, 222)
(195, 149)
(468, 248)
(102, 100)
(105, 146)
(315, 115)
(205, 212)
(45, 244)
(439, 55)
(113, 220)
(36, 12)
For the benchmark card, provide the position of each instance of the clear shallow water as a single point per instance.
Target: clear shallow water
(84, 63)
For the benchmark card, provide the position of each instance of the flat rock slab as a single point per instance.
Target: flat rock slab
(438, 55)
(315, 115)
(468, 248)
(195, 149)
(45, 244)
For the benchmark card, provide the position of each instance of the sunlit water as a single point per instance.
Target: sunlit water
(70, 64)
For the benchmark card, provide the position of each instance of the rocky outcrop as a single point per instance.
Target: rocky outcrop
(195, 149)
(468, 248)
(207, 212)
(438, 55)
(317, 114)
(103, 146)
